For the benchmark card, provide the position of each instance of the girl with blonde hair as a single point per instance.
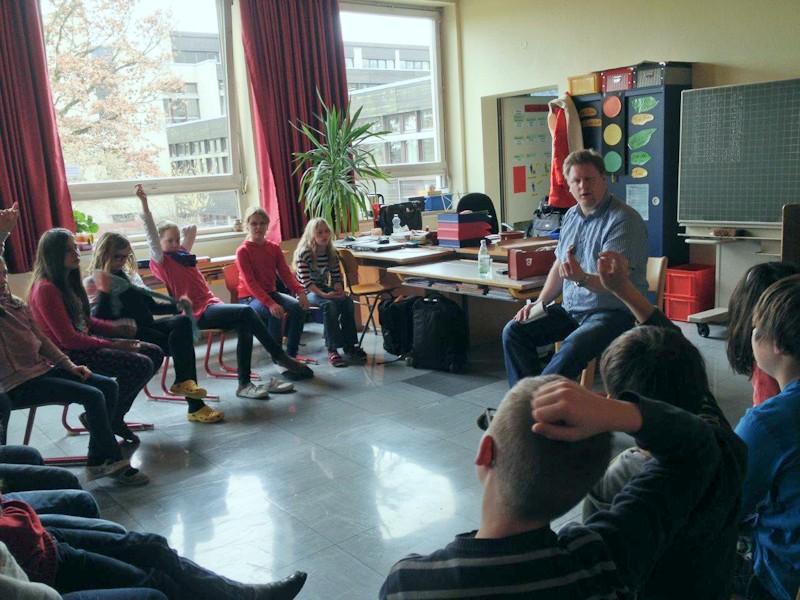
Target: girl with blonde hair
(317, 267)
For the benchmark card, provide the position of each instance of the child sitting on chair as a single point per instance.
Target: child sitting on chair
(172, 262)
(317, 267)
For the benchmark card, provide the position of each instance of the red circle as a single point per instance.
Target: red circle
(612, 106)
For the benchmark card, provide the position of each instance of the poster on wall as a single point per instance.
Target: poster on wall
(526, 154)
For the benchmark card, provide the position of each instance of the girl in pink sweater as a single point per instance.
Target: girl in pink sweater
(61, 308)
(261, 263)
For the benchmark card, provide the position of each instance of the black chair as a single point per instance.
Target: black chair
(477, 202)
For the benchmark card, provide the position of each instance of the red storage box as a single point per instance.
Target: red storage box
(678, 308)
(464, 231)
(524, 263)
(691, 281)
(616, 80)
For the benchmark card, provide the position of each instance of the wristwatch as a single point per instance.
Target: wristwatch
(583, 282)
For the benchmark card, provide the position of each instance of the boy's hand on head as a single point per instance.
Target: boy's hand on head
(8, 217)
(565, 410)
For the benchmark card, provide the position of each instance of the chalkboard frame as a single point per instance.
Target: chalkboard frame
(739, 153)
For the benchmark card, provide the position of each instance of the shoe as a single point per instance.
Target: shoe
(295, 371)
(486, 418)
(188, 389)
(107, 469)
(126, 434)
(336, 359)
(206, 415)
(278, 386)
(257, 392)
(285, 589)
(356, 354)
(132, 477)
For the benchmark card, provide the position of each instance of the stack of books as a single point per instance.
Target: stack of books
(463, 230)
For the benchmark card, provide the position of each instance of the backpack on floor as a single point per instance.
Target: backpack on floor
(441, 335)
(397, 325)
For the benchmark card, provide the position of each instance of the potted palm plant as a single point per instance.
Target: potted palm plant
(339, 171)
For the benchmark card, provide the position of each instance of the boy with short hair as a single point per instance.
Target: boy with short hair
(528, 480)
(772, 433)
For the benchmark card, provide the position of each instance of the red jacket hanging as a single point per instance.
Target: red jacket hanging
(565, 127)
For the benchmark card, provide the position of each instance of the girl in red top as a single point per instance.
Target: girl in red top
(740, 325)
(60, 306)
(260, 263)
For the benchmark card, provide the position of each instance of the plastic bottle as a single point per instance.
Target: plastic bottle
(396, 225)
(484, 261)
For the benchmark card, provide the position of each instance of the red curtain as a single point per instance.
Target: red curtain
(31, 164)
(292, 48)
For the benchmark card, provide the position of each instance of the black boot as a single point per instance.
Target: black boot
(285, 589)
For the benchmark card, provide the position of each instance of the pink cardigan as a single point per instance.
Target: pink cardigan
(50, 312)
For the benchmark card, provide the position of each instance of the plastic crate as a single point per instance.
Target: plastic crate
(678, 308)
(583, 84)
(693, 281)
(615, 80)
(648, 74)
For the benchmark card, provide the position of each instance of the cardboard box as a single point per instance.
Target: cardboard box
(523, 263)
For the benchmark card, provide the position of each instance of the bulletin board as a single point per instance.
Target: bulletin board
(739, 152)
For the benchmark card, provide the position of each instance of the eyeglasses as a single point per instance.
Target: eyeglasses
(122, 256)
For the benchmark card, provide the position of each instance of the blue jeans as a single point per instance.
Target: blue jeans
(22, 468)
(116, 594)
(98, 559)
(72, 503)
(338, 318)
(98, 395)
(583, 340)
(295, 319)
(5, 413)
(247, 324)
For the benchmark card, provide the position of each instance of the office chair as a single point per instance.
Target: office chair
(476, 202)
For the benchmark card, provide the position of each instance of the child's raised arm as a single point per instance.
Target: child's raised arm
(153, 241)
(189, 234)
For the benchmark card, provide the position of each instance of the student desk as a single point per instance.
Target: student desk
(449, 276)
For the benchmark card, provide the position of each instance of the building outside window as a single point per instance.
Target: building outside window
(157, 113)
(393, 76)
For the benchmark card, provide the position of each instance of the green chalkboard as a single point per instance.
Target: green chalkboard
(739, 152)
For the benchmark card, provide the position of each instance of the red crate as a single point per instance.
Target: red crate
(678, 308)
(615, 80)
(691, 281)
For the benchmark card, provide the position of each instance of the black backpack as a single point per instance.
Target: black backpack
(397, 324)
(441, 335)
(546, 220)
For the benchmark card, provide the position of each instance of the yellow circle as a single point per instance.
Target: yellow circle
(612, 134)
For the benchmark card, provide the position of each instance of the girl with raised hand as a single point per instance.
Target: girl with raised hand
(33, 368)
(125, 296)
(740, 325)
(172, 262)
(61, 308)
(317, 267)
(260, 263)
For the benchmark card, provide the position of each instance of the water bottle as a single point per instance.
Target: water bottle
(484, 261)
(396, 225)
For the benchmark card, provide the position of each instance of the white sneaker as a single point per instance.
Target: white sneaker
(107, 469)
(257, 392)
(279, 386)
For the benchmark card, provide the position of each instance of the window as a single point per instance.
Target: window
(158, 112)
(396, 82)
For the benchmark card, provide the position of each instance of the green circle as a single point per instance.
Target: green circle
(613, 161)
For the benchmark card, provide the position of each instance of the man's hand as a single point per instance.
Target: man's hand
(571, 269)
(8, 217)
(612, 267)
(303, 300)
(565, 410)
(276, 310)
(524, 312)
(80, 370)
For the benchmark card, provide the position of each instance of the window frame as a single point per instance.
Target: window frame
(408, 170)
(234, 181)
